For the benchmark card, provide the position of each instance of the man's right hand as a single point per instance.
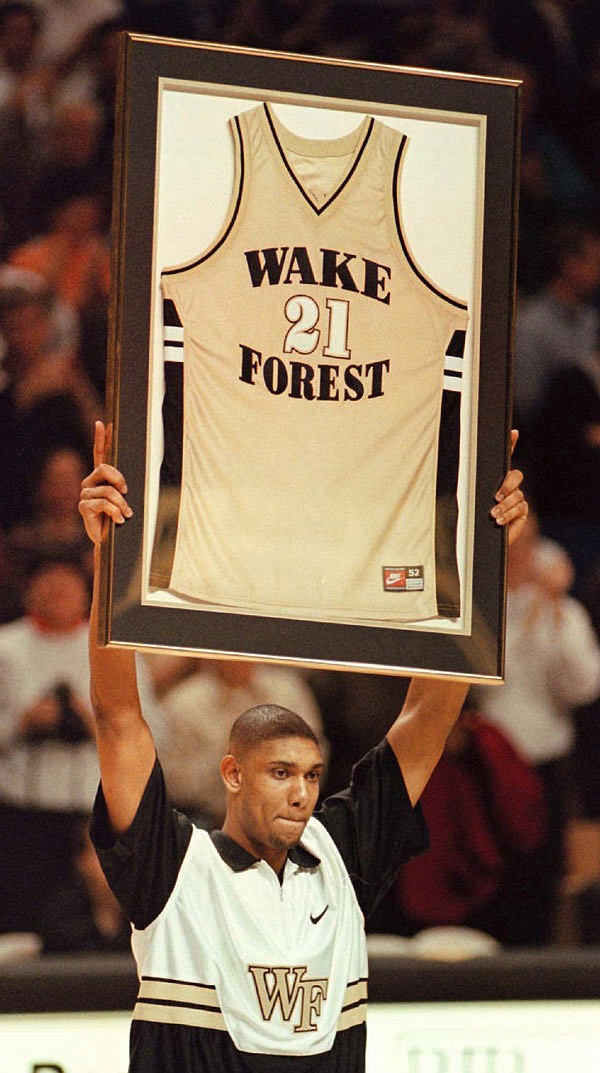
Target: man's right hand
(103, 491)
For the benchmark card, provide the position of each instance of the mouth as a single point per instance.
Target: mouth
(293, 823)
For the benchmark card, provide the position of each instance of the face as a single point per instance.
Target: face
(26, 330)
(75, 134)
(58, 595)
(272, 793)
(79, 217)
(60, 485)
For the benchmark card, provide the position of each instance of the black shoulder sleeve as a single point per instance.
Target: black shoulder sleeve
(142, 866)
(374, 825)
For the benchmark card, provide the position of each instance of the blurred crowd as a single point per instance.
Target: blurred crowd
(523, 766)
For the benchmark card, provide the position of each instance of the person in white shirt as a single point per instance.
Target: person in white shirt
(552, 666)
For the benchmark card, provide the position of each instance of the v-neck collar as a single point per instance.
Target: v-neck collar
(355, 141)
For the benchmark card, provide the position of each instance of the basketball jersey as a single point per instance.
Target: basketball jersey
(316, 358)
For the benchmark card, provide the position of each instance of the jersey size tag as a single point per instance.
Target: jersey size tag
(403, 579)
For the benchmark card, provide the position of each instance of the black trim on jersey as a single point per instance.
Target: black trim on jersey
(239, 859)
(446, 505)
(456, 346)
(405, 250)
(172, 416)
(295, 178)
(171, 318)
(354, 1005)
(181, 983)
(163, 551)
(225, 235)
(359, 1002)
(373, 842)
(140, 870)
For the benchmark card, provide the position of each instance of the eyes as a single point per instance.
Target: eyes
(281, 773)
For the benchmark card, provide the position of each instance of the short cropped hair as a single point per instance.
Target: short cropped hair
(265, 722)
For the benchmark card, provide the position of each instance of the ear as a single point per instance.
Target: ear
(231, 773)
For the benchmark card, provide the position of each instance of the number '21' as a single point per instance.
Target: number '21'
(303, 313)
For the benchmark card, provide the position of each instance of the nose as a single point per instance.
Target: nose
(298, 792)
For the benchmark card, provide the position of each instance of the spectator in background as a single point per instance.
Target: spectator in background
(46, 402)
(290, 25)
(103, 60)
(54, 524)
(484, 808)
(553, 185)
(542, 36)
(20, 26)
(447, 36)
(564, 465)
(552, 665)
(587, 725)
(48, 766)
(201, 698)
(80, 914)
(24, 109)
(559, 326)
(72, 162)
(48, 763)
(73, 255)
(64, 334)
(67, 25)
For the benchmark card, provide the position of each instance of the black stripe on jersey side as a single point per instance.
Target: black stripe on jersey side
(172, 415)
(355, 1005)
(446, 508)
(295, 178)
(178, 1005)
(234, 215)
(453, 372)
(171, 318)
(456, 346)
(180, 983)
(416, 270)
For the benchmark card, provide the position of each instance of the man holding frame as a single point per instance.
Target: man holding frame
(250, 941)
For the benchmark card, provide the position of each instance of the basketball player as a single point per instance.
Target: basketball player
(250, 941)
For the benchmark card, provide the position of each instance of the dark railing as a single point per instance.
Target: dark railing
(102, 982)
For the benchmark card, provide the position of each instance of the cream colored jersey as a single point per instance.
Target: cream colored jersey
(316, 357)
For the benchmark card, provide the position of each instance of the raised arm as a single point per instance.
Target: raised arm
(432, 706)
(125, 747)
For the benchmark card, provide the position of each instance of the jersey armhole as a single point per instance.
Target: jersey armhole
(458, 303)
(232, 212)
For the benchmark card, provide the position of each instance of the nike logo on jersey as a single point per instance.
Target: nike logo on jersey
(315, 920)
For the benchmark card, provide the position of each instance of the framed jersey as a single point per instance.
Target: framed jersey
(310, 359)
